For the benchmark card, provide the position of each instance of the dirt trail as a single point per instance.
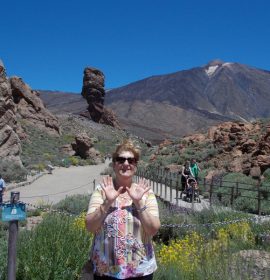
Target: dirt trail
(51, 188)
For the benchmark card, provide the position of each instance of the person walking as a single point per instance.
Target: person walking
(124, 216)
(2, 189)
(195, 168)
(186, 172)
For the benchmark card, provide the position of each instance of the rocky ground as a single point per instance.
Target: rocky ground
(235, 147)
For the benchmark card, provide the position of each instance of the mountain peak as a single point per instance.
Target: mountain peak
(215, 62)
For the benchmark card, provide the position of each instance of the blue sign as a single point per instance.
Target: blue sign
(13, 212)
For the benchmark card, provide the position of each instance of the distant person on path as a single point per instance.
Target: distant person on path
(195, 168)
(186, 172)
(124, 216)
(2, 189)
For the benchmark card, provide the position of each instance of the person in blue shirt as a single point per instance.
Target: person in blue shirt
(2, 188)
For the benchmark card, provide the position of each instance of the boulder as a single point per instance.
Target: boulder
(248, 146)
(235, 165)
(264, 161)
(195, 138)
(82, 145)
(67, 149)
(83, 148)
(255, 172)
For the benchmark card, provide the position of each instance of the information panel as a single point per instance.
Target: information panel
(13, 212)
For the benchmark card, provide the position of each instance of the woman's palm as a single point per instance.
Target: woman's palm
(110, 192)
(137, 191)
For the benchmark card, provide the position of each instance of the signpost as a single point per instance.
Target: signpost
(13, 212)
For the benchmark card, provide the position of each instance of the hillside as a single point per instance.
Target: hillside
(230, 147)
(192, 100)
(177, 104)
(63, 102)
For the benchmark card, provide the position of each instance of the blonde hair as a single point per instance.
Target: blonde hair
(126, 145)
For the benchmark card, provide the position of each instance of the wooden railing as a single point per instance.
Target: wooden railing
(217, 191)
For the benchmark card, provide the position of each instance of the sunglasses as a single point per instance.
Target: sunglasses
(131, 160)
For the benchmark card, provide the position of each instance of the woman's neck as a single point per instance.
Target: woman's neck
(119, 182)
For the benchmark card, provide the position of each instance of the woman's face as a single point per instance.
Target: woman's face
(125, 164)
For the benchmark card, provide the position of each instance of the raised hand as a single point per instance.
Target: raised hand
(110, 192)
(137, 191)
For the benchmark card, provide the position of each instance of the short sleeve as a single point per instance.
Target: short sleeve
(96, 200)
(151, 203)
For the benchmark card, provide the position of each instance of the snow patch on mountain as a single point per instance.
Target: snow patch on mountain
(211, 70)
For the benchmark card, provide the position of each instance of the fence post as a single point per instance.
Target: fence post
(94, 184)
(211, 191)
(157, 188)
(171, 190)
(161, 186)
(232, 195)
(192, 202)
(12, 240)
(237, 188)
(259, 197)
(166, 188)
(176, 188)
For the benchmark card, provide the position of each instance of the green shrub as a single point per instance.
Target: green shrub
(74, 204)
(55, 249)
(3, 258)
(74, 161)
(12, 171)
(266, 175)
(39, 167)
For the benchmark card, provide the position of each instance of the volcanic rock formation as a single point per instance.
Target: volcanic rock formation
(10, 144)
(93, 91)
(245, 146)
(19, 102)
(239, 147)
(30, 107)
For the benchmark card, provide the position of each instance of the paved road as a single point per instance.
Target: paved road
(51, 188)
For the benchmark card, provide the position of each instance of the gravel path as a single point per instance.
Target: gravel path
(51, 188)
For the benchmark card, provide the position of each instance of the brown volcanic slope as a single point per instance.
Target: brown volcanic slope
(62, 102)
(181, 103)
(187, 101)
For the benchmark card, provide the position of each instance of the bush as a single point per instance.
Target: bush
(266, 175)
(3, 258)
(12, 171)
(39, 167)
(55, 249)
(74, 204)
(74, 161)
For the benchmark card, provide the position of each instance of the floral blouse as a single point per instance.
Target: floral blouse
(121, 247)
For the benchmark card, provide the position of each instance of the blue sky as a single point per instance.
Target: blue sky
(49, 43)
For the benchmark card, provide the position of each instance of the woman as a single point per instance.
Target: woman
(186, 172)
(124, 217)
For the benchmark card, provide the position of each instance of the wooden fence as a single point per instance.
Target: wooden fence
(168, 184)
